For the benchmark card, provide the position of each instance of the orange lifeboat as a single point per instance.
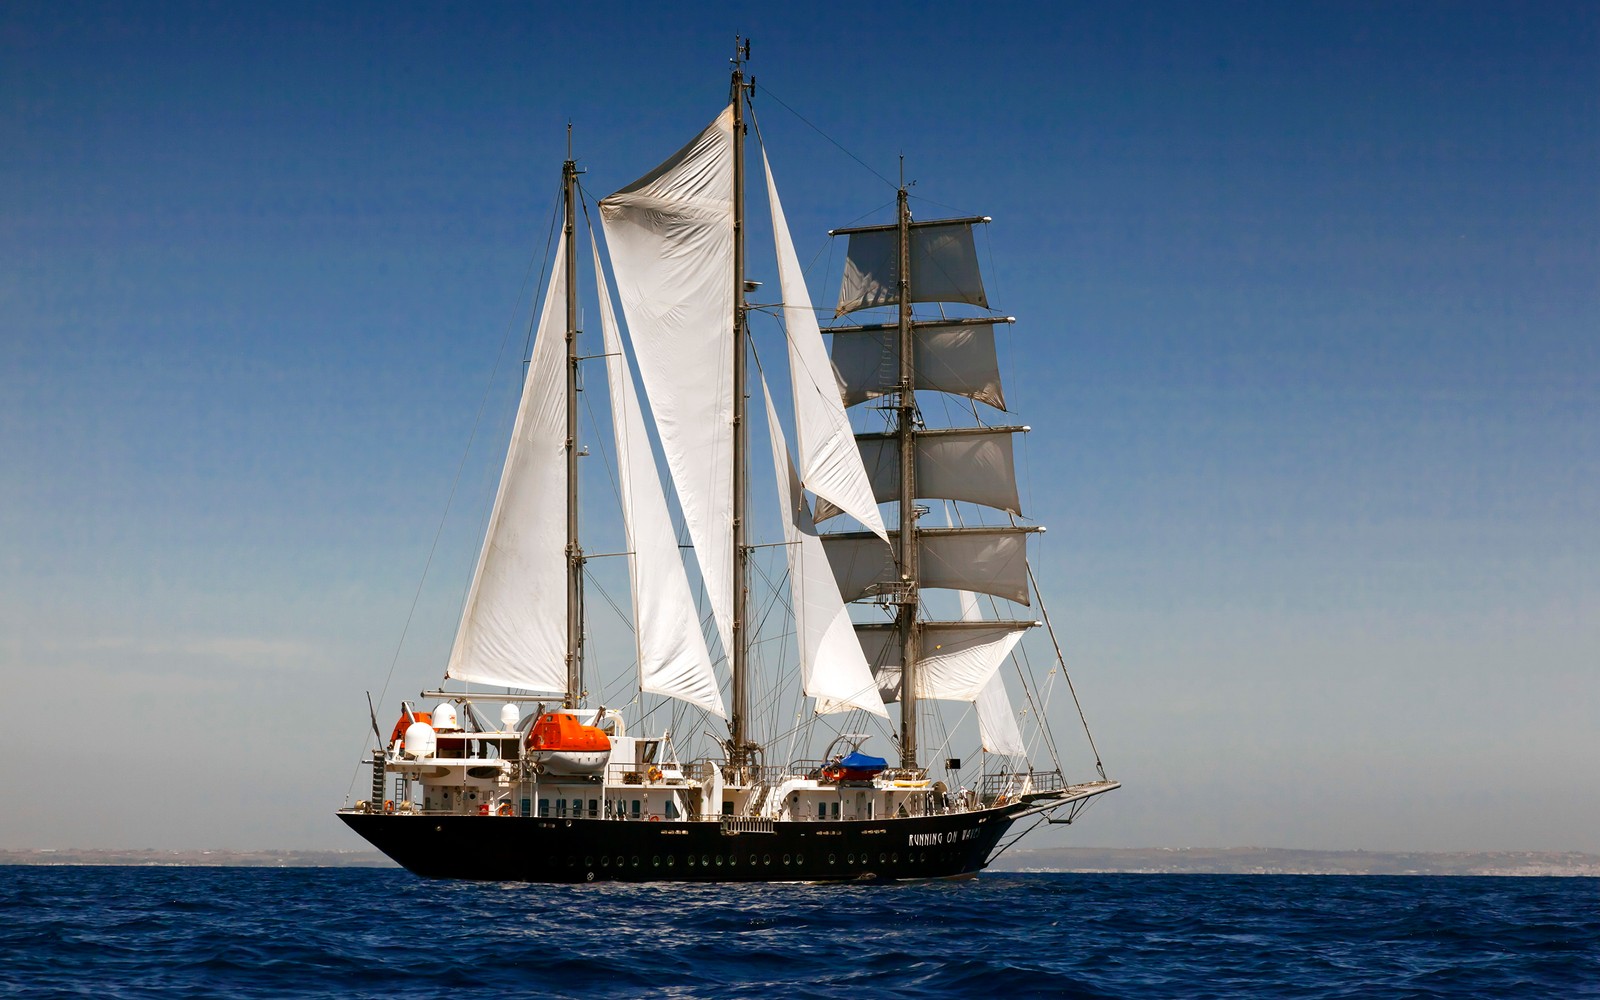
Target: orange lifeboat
(566, 746)
(398, 737)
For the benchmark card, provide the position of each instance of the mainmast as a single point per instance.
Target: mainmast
(739, 746)
(574, 692)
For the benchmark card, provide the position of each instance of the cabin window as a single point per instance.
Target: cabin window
(647, 751)
(870, 809)
(672, 809)
(822, 810)
(635, 809)
(561, 807)
(527, 807)
(577, 807)
(836, 809)
(544, 807)
(594, 807)
(727, 807)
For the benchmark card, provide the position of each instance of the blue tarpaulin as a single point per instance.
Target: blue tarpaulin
(858, 761)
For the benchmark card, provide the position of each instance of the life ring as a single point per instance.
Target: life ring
(655, 819)
(654, 774)
(505, 809)
(1000, 800)
(388, 805)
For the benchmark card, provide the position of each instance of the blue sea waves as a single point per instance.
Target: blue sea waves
(243, 932)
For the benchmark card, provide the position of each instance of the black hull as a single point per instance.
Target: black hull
(533, 849)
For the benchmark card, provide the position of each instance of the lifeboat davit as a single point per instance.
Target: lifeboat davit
(566, 746)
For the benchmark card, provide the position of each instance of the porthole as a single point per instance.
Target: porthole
(655, 862)
(588, 862)
(752, 860)
(766, 859)
(733, 861)
(605, 861)
(672, 859)
(895, 857)
(883, 859)
(691, 861)
(786, 859)
(799, 859)
(850, 859)
(719, 861)
(833, 859)
(635, 862)
(705, 861)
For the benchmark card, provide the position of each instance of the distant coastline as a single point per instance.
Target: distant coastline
(1285, 861)
(1125, 860)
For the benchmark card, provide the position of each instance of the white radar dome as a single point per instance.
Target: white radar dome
(444, 716)
(420, 741)
(510, 715)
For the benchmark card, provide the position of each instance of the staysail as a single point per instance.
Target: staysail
(513, 630)
(997, 723)
(829, 464)
(670, 234)
(672, 653)
(833, 668)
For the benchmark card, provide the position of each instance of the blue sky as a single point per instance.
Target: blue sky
(1309, 298)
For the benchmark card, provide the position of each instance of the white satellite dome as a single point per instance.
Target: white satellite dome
(510, 715)
(420, 740)
(444, 716)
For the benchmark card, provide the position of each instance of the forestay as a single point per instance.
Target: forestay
(671, 240)
(513, 629)
(672, 652)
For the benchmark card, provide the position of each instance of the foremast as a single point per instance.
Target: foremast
(905, 434)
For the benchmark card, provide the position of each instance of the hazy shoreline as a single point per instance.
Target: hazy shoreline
(1156, 860)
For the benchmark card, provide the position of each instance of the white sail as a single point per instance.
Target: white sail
(951, 356)
(670, 234)
(832, 667)
(513, 630)
(988, 560)
(975, 464)
(944, 267)
(997, 722)
(830, 464)
(672, 653)
(955, 661)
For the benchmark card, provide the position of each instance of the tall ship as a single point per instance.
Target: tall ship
(873, 714)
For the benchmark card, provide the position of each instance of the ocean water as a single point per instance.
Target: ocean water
(243, 932)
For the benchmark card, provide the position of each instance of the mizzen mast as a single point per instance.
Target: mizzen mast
(574, 550)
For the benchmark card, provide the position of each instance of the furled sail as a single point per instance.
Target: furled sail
(975, 464)
(670, 234)
(513, 630)
(956, 660)
(987, 560)
(997, 723)
(672, 653)
(830, 465)
(833, 669)
(954, 356)
(944, 266)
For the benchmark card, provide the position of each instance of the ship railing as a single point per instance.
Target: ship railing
(1008, 786)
